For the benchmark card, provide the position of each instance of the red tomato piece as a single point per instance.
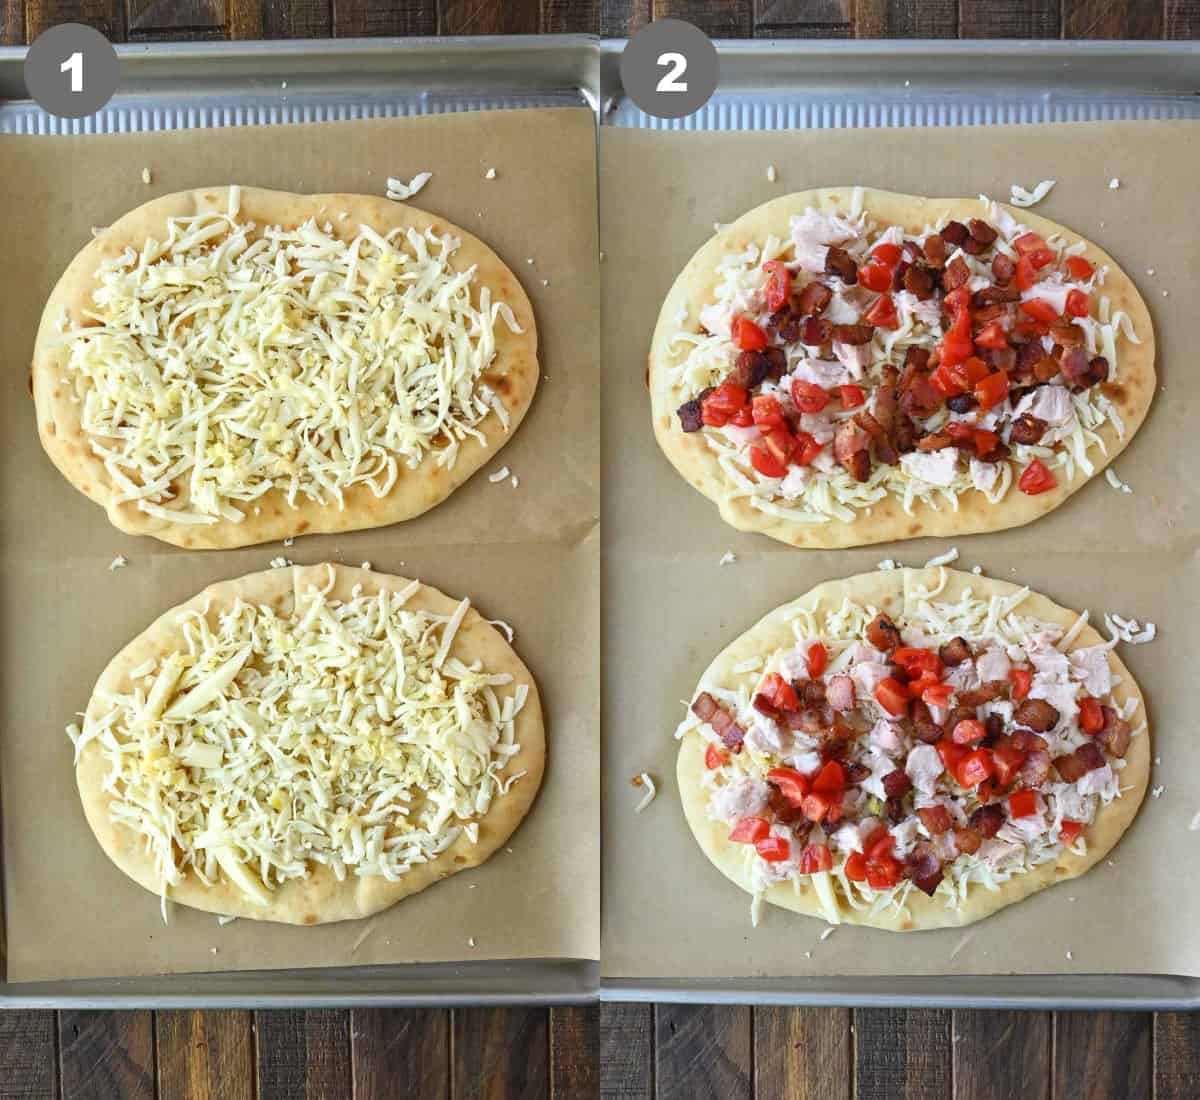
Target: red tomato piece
(779, 693)
(1036, 479)
(727, 398)
(1027, 243)
(831, 779)
(917, 688)
(1079, 268)
(791, 783)
(1042, 257)
(950, 753)
(1022, 803)
(958, 301)
(816, 659)
(879, 844)
(992, 390)
(876, 277)
(747, 335)
(780, 445)
(887, 254)
(743, 418)
(1026, 276)
(768, 412)
(764, 463)
(883, 874)
(968, 732)
(883, 313)
(807, 449)
(1069, 831)
(816, 806)
(1008, 761)
(955, 347)
(779, 285)
(851, 396)
(945, 381)
(808, 396)
(749, 830)
(974, 768)
(773, 849)
(815, 858)
(1040, 310)
(856, 866)
(892, 696)
(1078, 303)
(1091, 716)
(1021, 680)
(992, 335)
(918, 662)
(985, 441)
(937, 695)
(713, 758)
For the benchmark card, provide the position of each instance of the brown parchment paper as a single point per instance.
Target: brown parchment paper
(669, 607)
(528, 555)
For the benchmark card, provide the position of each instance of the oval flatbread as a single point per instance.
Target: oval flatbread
(231, 366)
(255, 753)
(1041, 782)
(880, 441)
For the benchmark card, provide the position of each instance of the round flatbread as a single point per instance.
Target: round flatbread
(802, 516)
(347, 383)
(254, 722)
(898, 594)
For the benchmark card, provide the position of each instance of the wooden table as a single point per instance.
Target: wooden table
(662, 1050)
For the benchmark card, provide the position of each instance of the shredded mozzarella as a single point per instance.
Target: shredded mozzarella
(1021, 197)
(949, 556)
(1110, 475)
(398, 189)
(648, 797)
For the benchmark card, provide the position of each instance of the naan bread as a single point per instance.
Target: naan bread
(319, 897)
(511, 376)
(893, 592)
(886, 520)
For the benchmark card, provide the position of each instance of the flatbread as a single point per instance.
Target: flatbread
(320, 898)
(886, 521)
(513, 374)
(890, 592)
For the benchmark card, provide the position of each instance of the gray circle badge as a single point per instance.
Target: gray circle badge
(670, 68)
(72, 70)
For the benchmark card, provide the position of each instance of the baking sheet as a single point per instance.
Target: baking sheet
(669, 607)
(522, 554)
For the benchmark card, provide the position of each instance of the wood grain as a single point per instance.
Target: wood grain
(1177, 1055)
(170, 15)
(288, 18)
(626, 1052)
(490, 17)
(356, 18)
(574, 1053)
(106, 1055)
(620, 18)
(803, 1053)
(1009, 18)
(409, 1045)
(998, 1055)
(107, 16)
(1102, 1054)
(12, 22)
(302, 1055)
(902, 1054)
(205, 1055)
(571, 16)
(776, 15)
(1112, 18)
(905, 19)
(703, 1051)
(28, 1055)
(500, 1053)
(1181, 19)
(716, 18)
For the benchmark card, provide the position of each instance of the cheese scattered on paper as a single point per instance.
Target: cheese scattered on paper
(1021, 197)
(499, 475)
(146, 175)
(943, 559)
(728, 558)
(651, 791)
(1114, 183)
(771, 175)
(1110, 475)
(490, 174)
(399, 190)
(119, 562)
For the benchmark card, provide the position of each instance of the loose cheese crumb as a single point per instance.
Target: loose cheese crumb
(366, 565)
(470, 941)
(771, 173)
(977, 570)
(1195, 824)
(490, 174)
(943, 559)
(289, 541)
(223, 921)
(1069, 956)
(1129, 630)
(651, 791)
(1114, 183)
(399, 190)
(119, 562)
(728, 558)
(1156, 792)
(280, 562)
(827, 933)
(888, 564)
(145, 175)
(499, 475)
(514, 481)
(1021, 197)
(1110, 475)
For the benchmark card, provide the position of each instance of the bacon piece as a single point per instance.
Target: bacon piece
(1027, 741)
(1027, 357)
(776, 362)
(955, 651)
(1003, 269)
(885, 451)
(987, 820)
(839, 263)
(840, 693)
(855, 773)
(956, 274)
(924, 868)
(1116, 734)
(1086, 758)
(896, 784)
(955, 233)
(993, 312)
(935, 818)
(985, 693)
(811, 692)
(1036, 768)
(1036, 715)
(999, 358)
(853, 334)
(934, 250)
(814, 298)
(808, 720)
(705, 706)
(1067, 334)
(1098, 370)
(816, 331)
(882, 633)
(1074, 366)
(785, 324)
(934, 441)
(749, 371)
(727, 729)
(894, 810)
(850, 445)
(967, 840)
(924, 728)
(916, 359)
(992, 295)
(1028, 429)
(690, 416)
(982, 232)
(918, 282)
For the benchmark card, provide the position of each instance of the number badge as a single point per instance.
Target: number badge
(670, 68)
(72, 70)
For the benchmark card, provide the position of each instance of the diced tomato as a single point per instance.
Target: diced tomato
(856, 867)
(944, 381)
(779, 285)
(1042, 257)
(974, 768)
(969, 731)
(985, 441)
(1027, 243)
(958, 301)
(768, 412)
(1091, 716)
(1079, 268)
(780, 445)
(1040, 310)
(937, 695)
(879, 844)
(917, 688)
(1021, 680)
(807, 448)
(883, 874)
(992, 335)
(778, 693)
(887, 254)
(918, 662)
(973, 370)
(764, 463)
(1008, 761)
(876, 277)
(816, 658)
(816, 806)
(1022, 803)
(743, 418)
(714, 758)
(851, 396)
(773, 849)
(1036, 479)
(747, 335)
(750, 830)
(815, 858)
(1026, 276)
(883, 313)
(986, 791)
(992, 390)
(892, 696)
(950, 753)
(834, 815)
(831, 779)
(1024, 331)
(1068, 831)
(1078, 303)
(955, 347)
(722, 403)
(808, 396)
(791, 783)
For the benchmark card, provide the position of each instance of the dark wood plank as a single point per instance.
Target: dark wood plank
(490, 17)
(107, 16)
(406, 1045)
(12, 23)
(905, 19)
(27, 1054)
(205, 1055)
(1176, 1055)
(627, 1052)
(287, 18)
(575, 1053)
(106, 1055)
(156, 16)
(803, 1053)
(571, 16)
(902, 1054)
(775, 15)
(1102, 1054)
(1181, 19)
(702, 1050)
(998, 1055)
(716, 18)
(355, 18)
(302, 1055)
(501, 1052)
(1112, 18)
(621, 18)
(1009, 18)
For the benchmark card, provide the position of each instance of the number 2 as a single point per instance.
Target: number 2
(74, 65)
(670, 81)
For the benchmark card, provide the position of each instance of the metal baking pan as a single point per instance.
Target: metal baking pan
(187, 85)
(779, 85)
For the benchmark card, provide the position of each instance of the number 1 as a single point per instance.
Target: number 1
(74, 65)
(670, 81)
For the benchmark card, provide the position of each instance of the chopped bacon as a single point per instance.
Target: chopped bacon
(982, 232)
(1003, 269)
(1098, 370)
(924, 868)
(934, 441)
(749, 370)
(1028, 429)
(924, 728)
(955, 651)
(840, 693)
(956, 274)
(918, 282)
(1036, 715)
(1086, 758)
(1027, 358)
(809, 720)
(987, 820)
(855, 773)
(776, 362)
(935, 818)
(1067, 334)
(993, 295)
(853, 334)
(811, 692)
(705, 706)
(816, 331)
(1028, 741)
(967, 840)
(894, 810)
(839, 263)
(727, 729)
(885, 451)
(1004, 359)
(896, 784)
(785, 324)
(691, 417)
(1075, 366)
(850, 445)
(1116, 734)
(1036, 768)
(882, 633)
(934, 250)
(955, 233)
(985, 693)
(814, 298)
(916, 359)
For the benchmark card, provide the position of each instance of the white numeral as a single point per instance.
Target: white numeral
(670, 81)
(74, 65)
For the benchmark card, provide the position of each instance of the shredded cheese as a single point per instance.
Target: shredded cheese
(1021, 197)
(119, 562)
(943, 559)
(399, 190)
(651, 791)
(1110, 475)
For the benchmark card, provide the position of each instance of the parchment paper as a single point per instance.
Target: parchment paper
(528, 555)
(669, 607)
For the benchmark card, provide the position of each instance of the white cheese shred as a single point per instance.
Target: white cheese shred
(1021, 197)
(398, 190)
(648, 797)
(119, 562)
(1110, 475)
(949, 556)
